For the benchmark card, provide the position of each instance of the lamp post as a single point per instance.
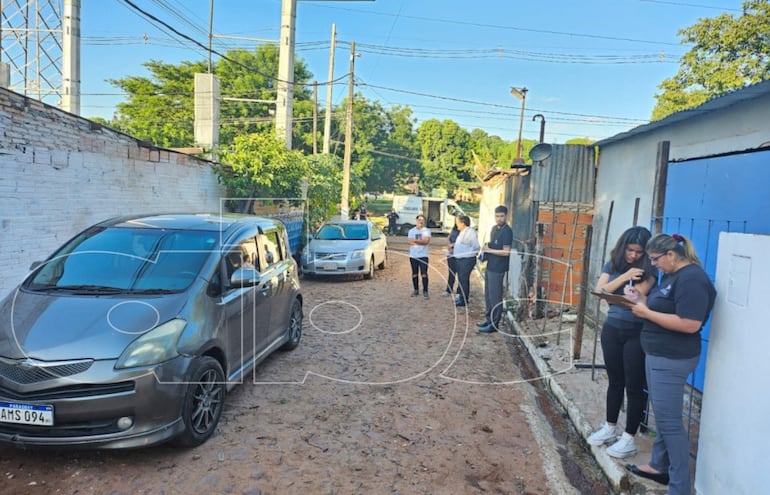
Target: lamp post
(520, 93)
(542, 124)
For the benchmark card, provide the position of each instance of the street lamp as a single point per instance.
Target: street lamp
(520, 93)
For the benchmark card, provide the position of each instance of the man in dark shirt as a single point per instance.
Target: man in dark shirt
(496, 253)
(392, 219)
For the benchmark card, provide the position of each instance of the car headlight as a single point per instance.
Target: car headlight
(155, 346)
(358, 254)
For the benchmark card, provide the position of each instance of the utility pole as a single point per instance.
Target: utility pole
(328, 116)
(285, 87)
(344, 207)
(211, 28)
(315, 117)
(70, 75)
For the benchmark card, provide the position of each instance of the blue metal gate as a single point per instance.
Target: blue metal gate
(711, 195)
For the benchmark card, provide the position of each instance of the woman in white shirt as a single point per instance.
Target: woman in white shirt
(466, 249)
(419, 238)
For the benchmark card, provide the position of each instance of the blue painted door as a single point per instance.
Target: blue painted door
(711, 195)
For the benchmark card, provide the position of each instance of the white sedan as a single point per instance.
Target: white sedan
(346, 247)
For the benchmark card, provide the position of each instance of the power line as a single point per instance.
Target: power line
(495, 105)
(502, 53)
(507, 28)
(225, 57)
(682, 4)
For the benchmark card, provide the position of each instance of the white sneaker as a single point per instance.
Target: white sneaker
(606, 434)
(622, 448)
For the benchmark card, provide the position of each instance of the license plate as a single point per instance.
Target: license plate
(26, 414)
(330, 266)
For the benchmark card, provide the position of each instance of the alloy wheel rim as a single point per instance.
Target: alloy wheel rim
(207, 402)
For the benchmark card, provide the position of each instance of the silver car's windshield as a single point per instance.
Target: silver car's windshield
(122, 259)
(349, 232)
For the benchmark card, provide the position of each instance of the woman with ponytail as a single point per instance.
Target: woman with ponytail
(674, 313)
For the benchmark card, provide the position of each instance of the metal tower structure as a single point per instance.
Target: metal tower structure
(31, 34)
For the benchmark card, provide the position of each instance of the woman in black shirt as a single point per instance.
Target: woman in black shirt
(674, 313)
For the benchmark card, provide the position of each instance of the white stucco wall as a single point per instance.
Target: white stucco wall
(627, 167)
(734, 416)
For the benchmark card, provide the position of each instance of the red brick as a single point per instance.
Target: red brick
(544, 216)
(566, 217)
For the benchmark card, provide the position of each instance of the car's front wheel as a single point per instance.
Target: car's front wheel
(295, 327)
(203, 401)
(384, 262)
(370, 274)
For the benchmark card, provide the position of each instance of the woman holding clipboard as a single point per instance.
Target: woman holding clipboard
(623, 356)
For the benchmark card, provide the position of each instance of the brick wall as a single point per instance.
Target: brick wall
(60, 173)
(562, 244)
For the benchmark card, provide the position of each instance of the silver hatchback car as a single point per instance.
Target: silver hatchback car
(134, 330)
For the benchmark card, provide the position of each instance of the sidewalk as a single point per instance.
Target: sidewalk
(550, 344)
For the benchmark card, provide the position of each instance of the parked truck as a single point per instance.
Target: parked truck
(439, 213)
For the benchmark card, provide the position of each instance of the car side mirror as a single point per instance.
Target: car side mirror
(244, 277)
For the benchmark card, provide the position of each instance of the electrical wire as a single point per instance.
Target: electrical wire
(215, 52)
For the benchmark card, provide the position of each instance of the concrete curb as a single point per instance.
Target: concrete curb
(615, 474)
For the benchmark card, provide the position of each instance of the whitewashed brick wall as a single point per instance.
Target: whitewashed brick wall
(60, 173)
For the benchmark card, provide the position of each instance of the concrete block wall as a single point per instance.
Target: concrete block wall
(563, 244)
(60, 173)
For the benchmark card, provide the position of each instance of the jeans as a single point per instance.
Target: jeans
(671, 449)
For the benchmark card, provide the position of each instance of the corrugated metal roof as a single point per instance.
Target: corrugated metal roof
(713, 105)
(566, 176)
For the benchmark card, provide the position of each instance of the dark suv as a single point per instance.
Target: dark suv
(134, 330)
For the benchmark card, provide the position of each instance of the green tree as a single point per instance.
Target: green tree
(259, 165)
(160, 108)
(397, 158)
(445, 154)
(728, 52)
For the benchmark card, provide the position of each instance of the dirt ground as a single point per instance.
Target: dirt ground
(385, 394)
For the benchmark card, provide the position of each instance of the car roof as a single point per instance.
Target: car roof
(190, 221)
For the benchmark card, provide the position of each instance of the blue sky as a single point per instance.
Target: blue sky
(591, 68)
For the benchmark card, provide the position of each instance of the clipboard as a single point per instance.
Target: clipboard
(614, 299)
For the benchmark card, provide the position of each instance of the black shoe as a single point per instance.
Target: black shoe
(661, 478)
(488, 329)
(484, 323)
(459, 303)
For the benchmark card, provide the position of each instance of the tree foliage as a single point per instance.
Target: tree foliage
(389, 148)
(728, 52)
(160, 108)
(260, 166)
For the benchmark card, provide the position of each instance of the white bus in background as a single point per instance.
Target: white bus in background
(439, 213)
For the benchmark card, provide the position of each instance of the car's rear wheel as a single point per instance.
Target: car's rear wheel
(203, 401)
(370, 274)
(295, 327)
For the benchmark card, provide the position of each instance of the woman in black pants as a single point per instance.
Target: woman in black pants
(466, 248)
(623, 355)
